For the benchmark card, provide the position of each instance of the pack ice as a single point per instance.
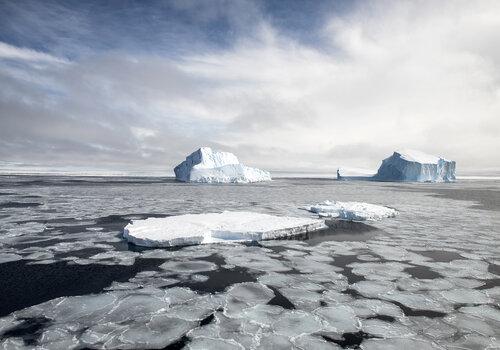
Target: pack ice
(227, 226)
(352, 211)
(407, 165)
(211, 166)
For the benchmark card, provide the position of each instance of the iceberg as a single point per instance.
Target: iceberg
(352, 211)
(228, 226)
(211, 166)
(407, 165)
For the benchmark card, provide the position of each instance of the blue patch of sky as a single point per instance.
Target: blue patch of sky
(304, 20)
(73, 28)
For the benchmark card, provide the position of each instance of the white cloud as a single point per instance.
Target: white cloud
(20, 53)
(143, 133)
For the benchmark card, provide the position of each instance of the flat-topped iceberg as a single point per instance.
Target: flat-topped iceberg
(352, 211)
(211, 166)
(228, 226)
(408, 165)
(412, 165)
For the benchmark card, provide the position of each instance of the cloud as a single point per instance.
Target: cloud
(19, 53)
(379, 77)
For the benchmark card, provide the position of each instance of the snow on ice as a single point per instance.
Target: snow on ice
(407, 165)
(211, 166)
(353, 211)
(227, 226)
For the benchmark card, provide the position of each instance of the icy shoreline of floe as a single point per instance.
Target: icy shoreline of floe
(234, 226)
(228, 226)
(352, 211)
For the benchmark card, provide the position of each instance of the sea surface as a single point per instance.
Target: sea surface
(427, 279)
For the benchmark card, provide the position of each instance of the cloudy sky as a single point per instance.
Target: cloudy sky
(135, 86)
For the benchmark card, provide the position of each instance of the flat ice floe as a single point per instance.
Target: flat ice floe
(353, 211)
(227, 226)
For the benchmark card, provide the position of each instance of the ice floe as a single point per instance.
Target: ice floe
(244, 295)
(384, 329)
(295, 323)
(7, 257)
(398, 344)
(340, 319)
(222, 227)
(120, 319)
(482, 311)
(353, 211)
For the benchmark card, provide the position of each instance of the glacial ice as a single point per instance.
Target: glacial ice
(352, 211)
(211, 166)
(406, 165)
(227, 226)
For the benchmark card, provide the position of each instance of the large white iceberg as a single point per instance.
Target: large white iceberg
(352, 211)
(227, 226)
(211, 166)
(408, 165)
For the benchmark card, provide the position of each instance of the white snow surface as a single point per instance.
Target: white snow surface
(412, 155)
(211, 166)
(352, 211)
(228, 226)
(406, 165)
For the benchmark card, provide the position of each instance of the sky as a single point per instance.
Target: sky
(297, 86)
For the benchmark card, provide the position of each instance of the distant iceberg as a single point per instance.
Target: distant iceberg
(407, 165)
(211, 166)
(355, 174)
(352, 211)
(191, 229)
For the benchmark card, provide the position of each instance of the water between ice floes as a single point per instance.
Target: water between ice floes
(427, 279)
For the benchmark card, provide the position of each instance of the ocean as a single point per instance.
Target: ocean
(427, 279)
